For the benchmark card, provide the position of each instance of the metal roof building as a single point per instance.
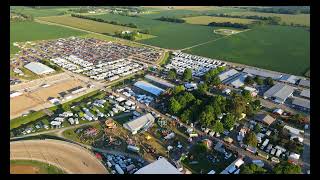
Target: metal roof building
(262, 73)
(265, 118)
(39, 68)
(301, 103)
(149, 87)
(226, 74)
(304, 82)
(289, 79)
(139, 123)
(159, 80)
(237, 80)
(305, 93)
(279, 92)
(160, 166)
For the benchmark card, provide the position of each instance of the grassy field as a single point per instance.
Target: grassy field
(169, 35)
(14, 123)
(32, 167)
(205, 20)
(31, 31)
(279, 48)
(99, 27)
(303, 19)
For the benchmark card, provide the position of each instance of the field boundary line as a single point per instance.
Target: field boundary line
(226, 36)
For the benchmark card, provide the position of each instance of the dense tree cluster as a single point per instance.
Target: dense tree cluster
(211, 77)
(283, 10)
(251, 139)
(171, 19)
(187, 74)
(229, 24)
(130, 36)
(18, 17)
(286, 168)
(267, 19)
(132, 25)
(252, 169)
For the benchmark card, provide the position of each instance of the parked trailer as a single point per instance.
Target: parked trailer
(118, 169)
(274, 159)
(133, 148)
(263, 154)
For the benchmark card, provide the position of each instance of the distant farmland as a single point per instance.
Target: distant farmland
(40, 12)
(168, 35)
(99, 27)
(31, 31)
(303, 19)
(205, 20)
(278, 48)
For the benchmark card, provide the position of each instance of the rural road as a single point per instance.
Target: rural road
(69, 157)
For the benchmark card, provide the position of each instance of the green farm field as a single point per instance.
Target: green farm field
(41, 12)
(303, 19)
(32, 31)
(168, 35)
(205, 20)
(99, 27)
(279, 48)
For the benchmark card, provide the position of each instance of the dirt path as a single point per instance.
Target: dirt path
(67, 156)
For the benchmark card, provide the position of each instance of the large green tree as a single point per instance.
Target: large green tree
(251, 139)
(229, 121)
(268, 81)
(207, 116)
(172, 74)
(174, 106)
(218, 127)
(252, 169)
(186, 116)
(187, 74)
(286, 168)
(178, 89)
(203, 88)
(249, 80)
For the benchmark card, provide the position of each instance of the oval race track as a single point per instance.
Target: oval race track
(69, 157)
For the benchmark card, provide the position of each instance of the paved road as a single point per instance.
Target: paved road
(305, 159)
(67, 156)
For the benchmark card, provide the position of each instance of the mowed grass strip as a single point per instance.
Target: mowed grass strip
(303, 19)
(85, 24)
(32, 31)
(279, 48)
(14, 123)
(205, 20)
(32, 167)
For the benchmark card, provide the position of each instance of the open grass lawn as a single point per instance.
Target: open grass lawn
(279, 48)
(94, 26)
(303, 19)
(14, 123)
(205, 20)
(31, 31)
(168, 35)
(32, 167)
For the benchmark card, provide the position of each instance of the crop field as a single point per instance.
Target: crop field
(303, 19)
(205, 20)
(32, 167)
(279, 48)
(99, 27)
(168, 35)
(40, 12)
(31, 31)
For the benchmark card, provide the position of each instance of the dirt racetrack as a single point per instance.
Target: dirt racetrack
(69, 157)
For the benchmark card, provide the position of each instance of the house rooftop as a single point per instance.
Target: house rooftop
(280, 91)
(305, 103)
(265, 118)
(160, 166)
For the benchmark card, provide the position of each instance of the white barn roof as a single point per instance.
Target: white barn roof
(159, 80)
(279, 91)
(39, 68)
(262, 73)
(160, 166)
(226, 74)
(148, 87)
(138, 123)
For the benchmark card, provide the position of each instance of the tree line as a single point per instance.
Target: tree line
(171, 19)
(229, 24)
(131, 25)
(267, 19)
(23, 17)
